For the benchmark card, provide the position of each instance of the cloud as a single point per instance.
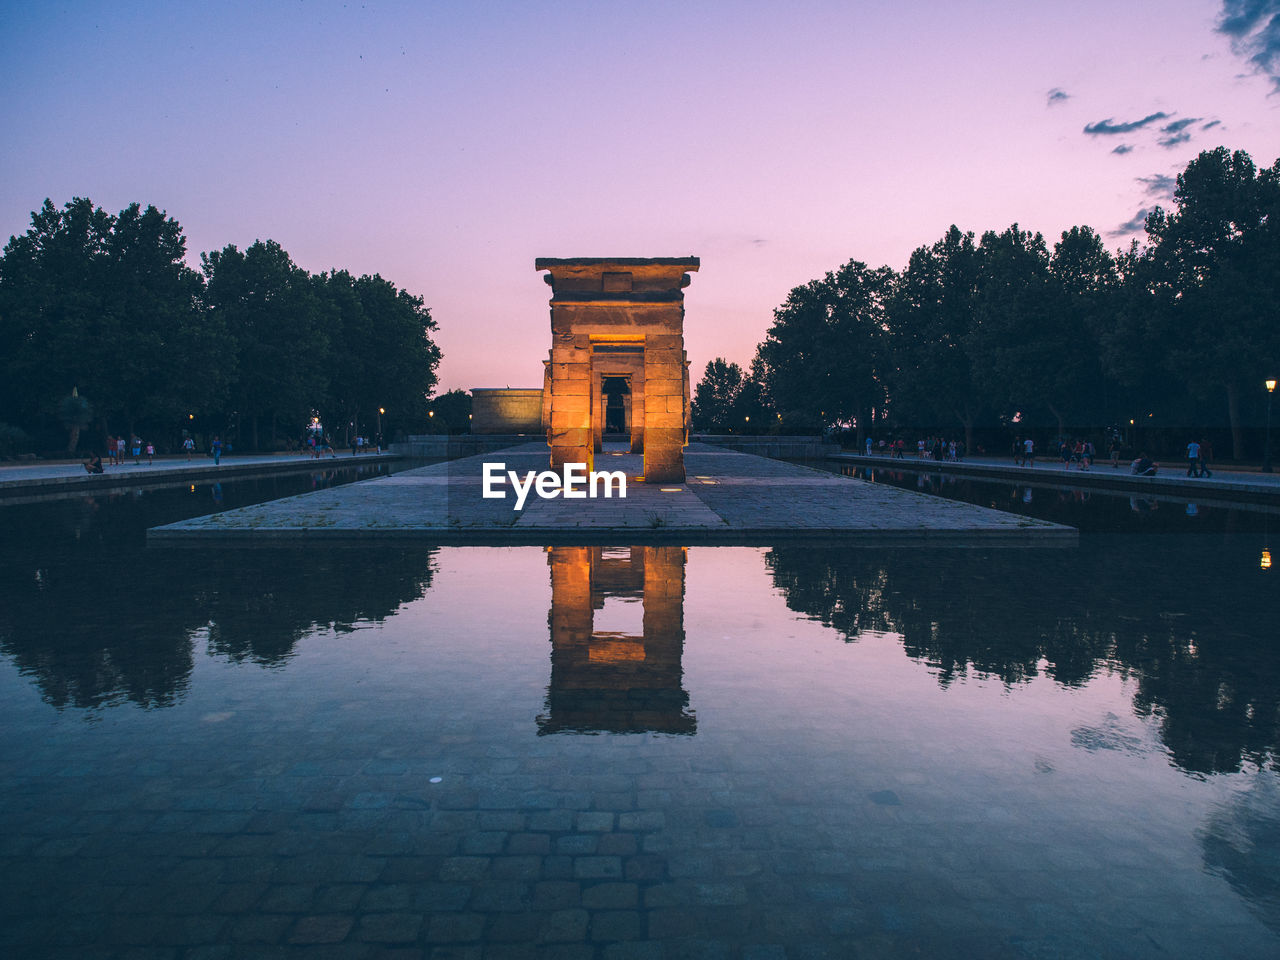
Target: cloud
(1123, 149)
(1158, 185)
(1131, 226)
(1254, 29)
(1211, 124)
(1057, 95)
(1106, 128)
(1173, 139)
(1179, 125)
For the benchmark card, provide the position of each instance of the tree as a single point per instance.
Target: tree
(383, 355)
(53, 327)
(171, 355)
(1212, 282)
(1030, 342)
(108, 305)
(76, 413)
(282, 330)
(931, 314)
(823, 354)
(715, 398)
(450, 413)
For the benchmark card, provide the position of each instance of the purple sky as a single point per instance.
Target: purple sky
(446, 145)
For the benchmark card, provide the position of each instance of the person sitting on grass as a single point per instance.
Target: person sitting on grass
(93, 464)
(1144, 466)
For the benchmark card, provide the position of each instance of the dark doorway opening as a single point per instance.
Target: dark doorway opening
(614, 390)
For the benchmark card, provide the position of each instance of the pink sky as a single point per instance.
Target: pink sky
(445, 146)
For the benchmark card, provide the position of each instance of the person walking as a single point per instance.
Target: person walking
(188, 445)
(1206, 454)
(868, 446)
(1193, 459)
(1028, 452)
(216, 450)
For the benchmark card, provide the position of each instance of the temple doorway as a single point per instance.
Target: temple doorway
(615, 391)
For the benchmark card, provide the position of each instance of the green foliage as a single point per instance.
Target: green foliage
(824, 353)
(986, 334)
(108, 304)
(715, 398)
(13, 440)
(450, 413)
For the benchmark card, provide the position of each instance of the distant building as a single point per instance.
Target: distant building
(506, 410)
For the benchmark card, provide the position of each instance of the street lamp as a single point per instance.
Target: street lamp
(1266, 447)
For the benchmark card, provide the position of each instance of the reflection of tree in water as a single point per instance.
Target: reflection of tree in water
(1241, 843)
(94, 618)
(260, 604)
(1179, 614)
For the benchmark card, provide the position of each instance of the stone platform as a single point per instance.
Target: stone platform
(728, 498)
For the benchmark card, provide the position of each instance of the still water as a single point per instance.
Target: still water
(648, 752)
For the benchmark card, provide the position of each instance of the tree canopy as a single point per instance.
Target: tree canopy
(1004, 334)
(105, 308)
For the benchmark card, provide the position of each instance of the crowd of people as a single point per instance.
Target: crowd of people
(930, 448)
(1077, 452)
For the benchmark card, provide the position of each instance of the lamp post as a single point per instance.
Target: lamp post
(1266, 446)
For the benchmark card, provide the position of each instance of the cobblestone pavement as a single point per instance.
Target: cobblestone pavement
(729, 497)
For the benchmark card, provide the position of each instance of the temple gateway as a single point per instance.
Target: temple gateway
(617, 364)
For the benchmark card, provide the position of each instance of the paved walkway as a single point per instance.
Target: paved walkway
(1172, 479)
(729, 498)
(22, 479)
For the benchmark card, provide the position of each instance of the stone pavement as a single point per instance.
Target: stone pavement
(728, 498)
(24, 479)
(1225, 484)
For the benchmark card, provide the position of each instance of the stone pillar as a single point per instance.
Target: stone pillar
(664, 422)
(597, 410)
(546, 398)
(637, 409)
(570, 438)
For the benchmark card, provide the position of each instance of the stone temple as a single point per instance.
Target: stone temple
(617, 363)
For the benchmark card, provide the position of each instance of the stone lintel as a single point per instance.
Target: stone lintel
(614, 264)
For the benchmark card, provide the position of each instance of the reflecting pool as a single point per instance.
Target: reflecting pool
(635, 752)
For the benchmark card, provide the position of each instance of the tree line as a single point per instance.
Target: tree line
(105, 328)
(1000, 333)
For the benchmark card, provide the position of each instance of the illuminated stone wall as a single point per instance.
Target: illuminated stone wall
(618, 317)
(509, 410)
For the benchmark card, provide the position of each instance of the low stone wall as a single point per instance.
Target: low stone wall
(778, 448)
(441, 446)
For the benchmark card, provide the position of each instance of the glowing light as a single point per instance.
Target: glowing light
(1265, 562)
(672, 489)
(1271, 386)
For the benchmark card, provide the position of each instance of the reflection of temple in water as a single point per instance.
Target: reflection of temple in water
(617, 636)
